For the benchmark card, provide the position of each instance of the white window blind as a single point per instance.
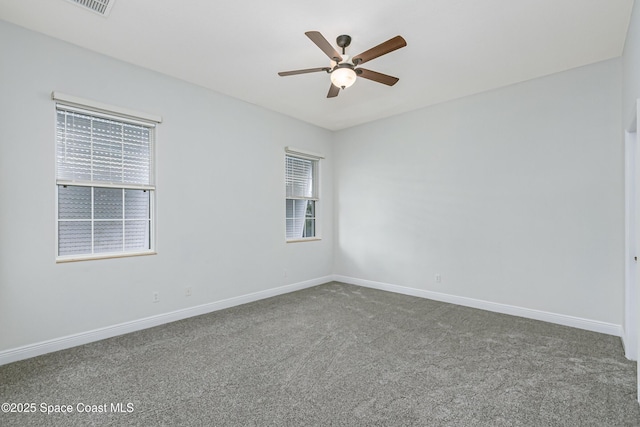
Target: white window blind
(105, 184)
(300, 178)
(301, 197)
(101, 150)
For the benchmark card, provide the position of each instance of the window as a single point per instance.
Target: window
(105, 183)
(301, 178)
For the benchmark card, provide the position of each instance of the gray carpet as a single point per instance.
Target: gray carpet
(336, 355)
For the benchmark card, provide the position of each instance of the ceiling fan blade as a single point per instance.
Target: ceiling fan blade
(333, 91)
(377, 77)
(307, 70)
(324, 45)
(382, 49)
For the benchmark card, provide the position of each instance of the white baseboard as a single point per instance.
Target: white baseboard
(560, 319)
(56, 344)
(630, 350)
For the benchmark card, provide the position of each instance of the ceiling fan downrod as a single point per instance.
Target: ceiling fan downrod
(343, 41)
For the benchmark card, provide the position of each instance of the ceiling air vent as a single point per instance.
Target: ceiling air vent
(102, 7)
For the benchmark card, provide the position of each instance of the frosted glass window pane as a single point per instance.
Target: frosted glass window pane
(136, 204)
(289, 208)
(300, 206)
(136, 155)
(107, 236)
(297, 210)
(107, 203)
(74, 202)
(294, 228)
(74, 146)
(137, 235)
(107, 151)
(74, 237)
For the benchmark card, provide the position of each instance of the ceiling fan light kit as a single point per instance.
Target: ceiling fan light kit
(344, 73)
(343, 76)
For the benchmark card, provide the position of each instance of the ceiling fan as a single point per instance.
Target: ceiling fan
(344, 70)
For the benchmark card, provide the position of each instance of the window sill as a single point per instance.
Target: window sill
(308, 239)
(72, 258)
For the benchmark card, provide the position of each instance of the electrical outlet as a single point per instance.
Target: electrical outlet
(156, 297)
(438, 278)
(187, 291)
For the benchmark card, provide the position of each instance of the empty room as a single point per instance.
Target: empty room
(341, 213)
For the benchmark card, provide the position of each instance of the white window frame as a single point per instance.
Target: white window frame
(315, 157)
(97, 109)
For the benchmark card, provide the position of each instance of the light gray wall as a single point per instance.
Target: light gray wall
(631, 68)
(514, 196)
(220, 196)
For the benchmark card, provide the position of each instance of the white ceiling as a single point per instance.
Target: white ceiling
(454, 47)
